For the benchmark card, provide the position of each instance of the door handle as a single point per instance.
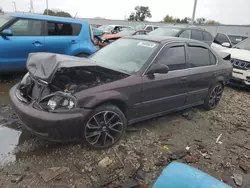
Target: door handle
(184, 78)
(37, 43)
(73, 42)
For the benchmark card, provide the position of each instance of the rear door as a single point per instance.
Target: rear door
(164, 92)
(28, 37)
(202, 72)
(62, 37)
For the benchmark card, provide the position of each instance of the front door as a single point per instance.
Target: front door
(165, 92)
(27, 37)
(202, 72)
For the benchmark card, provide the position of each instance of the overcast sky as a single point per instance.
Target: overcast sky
(224, 11)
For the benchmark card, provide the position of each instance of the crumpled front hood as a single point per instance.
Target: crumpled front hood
(44, 65)
(238, 53)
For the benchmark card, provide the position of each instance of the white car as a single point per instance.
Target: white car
(240, 59)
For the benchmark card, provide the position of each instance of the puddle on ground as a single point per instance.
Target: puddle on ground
(6, 82)
(16, 144)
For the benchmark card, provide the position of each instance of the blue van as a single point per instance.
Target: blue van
(22, 34)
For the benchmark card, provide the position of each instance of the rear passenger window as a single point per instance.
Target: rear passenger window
(174, 58)
(149, 28)
(212, 58)
(197, 35)
(63, 29)
(198, 56)
(207, 36)
(186, 34)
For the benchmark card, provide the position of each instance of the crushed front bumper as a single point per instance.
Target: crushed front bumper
(51, 126)
(241, 77)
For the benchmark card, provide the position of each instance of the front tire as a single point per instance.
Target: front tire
(214, 97)
(105, 127)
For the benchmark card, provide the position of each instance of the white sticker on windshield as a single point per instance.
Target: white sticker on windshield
(146, 44)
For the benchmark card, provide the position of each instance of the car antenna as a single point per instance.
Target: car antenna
(75, 15)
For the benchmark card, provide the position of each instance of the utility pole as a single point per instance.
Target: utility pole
(14, 5)
(31, 6)
(194, 11)
(47, 6)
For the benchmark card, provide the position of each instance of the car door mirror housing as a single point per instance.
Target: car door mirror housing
(158, 68)
(226, 44)
(6, 32)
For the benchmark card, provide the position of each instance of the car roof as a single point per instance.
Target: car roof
(48, 18)
(165, 39)
(183, 27)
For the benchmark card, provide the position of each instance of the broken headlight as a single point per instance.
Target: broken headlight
(58, 101)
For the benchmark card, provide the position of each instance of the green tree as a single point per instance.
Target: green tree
(200, 21)
(59, 13)
(185, 20)
(169, 19)
(141, 14)
(212, 22)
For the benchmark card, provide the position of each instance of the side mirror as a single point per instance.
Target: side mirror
(226, 44)
(6, 32)
(158, 68)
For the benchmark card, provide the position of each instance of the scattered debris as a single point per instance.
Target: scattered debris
(105, 162)
(160, 162)
(187, 148)
(120, 160)
(238, 179)
(166, 148)
(178, 154)
(18, 179)
(51, 173)
(218, 139)
(188, 115)
(104, 177)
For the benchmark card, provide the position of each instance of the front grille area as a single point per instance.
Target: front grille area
(239, 64)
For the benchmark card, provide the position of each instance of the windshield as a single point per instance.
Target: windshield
(245, 44)
(109, 28)
(127, 32)
(4, 20)
(129, 57)
(167, 31)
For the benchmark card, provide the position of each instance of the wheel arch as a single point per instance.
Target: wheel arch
(116, 102)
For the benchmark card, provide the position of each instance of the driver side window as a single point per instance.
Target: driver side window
(174, 57)
(25, 27)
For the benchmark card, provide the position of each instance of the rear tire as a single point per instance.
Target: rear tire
(105, 127)
(214, 96)
(82, 55)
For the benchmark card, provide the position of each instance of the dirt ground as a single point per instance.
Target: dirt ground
(26, 161)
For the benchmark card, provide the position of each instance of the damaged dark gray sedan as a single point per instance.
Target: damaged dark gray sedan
(64, 98)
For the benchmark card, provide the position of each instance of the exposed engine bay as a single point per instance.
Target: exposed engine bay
(65, 82)
(76, 79)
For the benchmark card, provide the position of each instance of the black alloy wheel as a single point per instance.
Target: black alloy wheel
(214, 97)
(105, 127)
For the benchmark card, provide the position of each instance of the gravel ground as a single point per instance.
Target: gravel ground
(143, 153)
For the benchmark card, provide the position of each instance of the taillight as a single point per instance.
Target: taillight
(91, 35)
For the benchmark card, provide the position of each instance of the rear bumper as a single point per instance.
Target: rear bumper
(51, 126)
(241, 76)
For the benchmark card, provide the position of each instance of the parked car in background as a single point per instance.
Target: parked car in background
(22, 34)
(195, 33)
(132, 79)
(114, 28)
(109, 38)
(146, 27)
(222, 40)
(240, 59)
